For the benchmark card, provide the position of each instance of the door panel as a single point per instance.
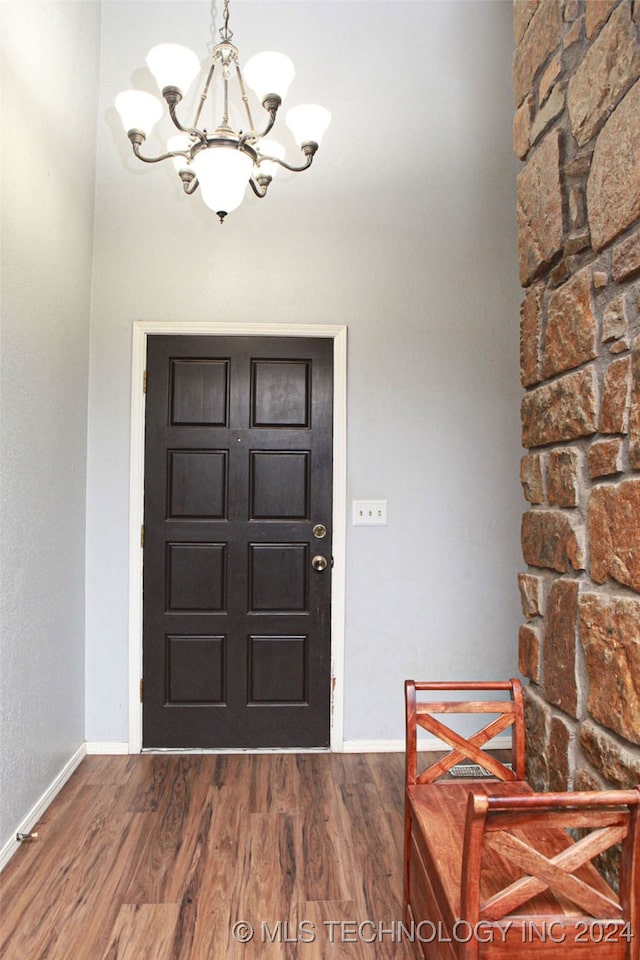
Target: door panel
(238, 469)
(280, 393)
(278, 578)
(197, 484)
(279, 485)
(199, 392)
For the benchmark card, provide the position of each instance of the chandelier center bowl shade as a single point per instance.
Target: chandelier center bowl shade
(223, 163)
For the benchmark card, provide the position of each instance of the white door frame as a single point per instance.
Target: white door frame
(145, 328)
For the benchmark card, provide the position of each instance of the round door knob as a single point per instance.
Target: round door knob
(319, 563)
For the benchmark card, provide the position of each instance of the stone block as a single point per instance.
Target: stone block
(619, 346)
(576, 243)
(614, 533)
(600, 279)
(618, 764)
(531, 478)
(552, 540)
(610, 634)
(570, 338)
(577, 208)
(523, 10)
(529, 653)
(560, 740)
(605, 458)
(530, 594)
(541, 37)
(571, 10)
(548, 78)
(595, 14)
(613, 187)
(564, 409)
(615, 323)
(560, 273)
(537, 720)
(559, 646)
(522, 124)
(615, 397)
(586, 779)
(634, 407)
(548, 113)
(609, 67)
(562, 477)
(540, 214)
(625, 259)
(572, 35)
(530, 335)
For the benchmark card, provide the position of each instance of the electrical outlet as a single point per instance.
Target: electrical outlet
(369, 513)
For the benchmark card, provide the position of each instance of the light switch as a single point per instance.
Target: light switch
(369, 513)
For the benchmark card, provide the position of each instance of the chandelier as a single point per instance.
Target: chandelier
(223, 162)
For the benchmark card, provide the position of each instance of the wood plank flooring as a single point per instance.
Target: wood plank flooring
(159, 857)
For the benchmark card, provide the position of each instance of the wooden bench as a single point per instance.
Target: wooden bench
(494, 870)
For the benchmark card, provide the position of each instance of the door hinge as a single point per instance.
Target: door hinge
(142, 691)
(144, 381)
(142, 535)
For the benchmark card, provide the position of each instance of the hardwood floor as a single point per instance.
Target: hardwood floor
(159, 857)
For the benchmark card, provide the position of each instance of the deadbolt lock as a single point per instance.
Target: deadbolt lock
(319, 563)
(319, 531)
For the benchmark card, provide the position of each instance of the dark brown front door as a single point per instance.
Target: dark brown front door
(238, 472)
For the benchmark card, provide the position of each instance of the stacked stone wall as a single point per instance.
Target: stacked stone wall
(577, 130)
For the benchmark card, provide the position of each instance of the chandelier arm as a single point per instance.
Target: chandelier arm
(288, 166)
(190, 186)
(163, 156)
(225, 96)
(254, 134)
(245, 98)
(193, 131)
(260, 192)
(204, 94)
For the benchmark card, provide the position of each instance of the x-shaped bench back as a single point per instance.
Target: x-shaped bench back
(511, 827)
(509, 714)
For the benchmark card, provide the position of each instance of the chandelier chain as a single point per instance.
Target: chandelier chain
(225, 33)
(212, 28)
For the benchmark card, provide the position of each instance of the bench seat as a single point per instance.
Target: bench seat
(495, 871)
(546, 925)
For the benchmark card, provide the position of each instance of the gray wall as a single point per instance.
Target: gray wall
(49, 87)
(405, 231)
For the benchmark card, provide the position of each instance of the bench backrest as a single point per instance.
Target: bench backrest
(517, 829)
(421, 712)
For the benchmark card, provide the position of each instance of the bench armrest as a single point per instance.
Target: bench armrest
(421, 713)
(530, 833)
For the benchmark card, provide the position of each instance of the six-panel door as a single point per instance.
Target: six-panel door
(238, 471)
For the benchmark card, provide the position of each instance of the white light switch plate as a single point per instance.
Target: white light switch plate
(369, 513)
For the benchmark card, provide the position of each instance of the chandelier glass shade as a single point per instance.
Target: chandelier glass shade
(224, 162)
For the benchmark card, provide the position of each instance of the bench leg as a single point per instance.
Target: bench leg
(407, 861)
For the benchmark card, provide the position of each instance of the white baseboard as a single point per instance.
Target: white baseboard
(107, 747)
(179, 751)
(424, 743)
(373, 746)
(26, 825)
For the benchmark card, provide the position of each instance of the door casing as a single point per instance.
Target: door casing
(145, 328)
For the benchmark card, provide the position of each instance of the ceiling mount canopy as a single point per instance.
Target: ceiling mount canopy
(222, 163)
